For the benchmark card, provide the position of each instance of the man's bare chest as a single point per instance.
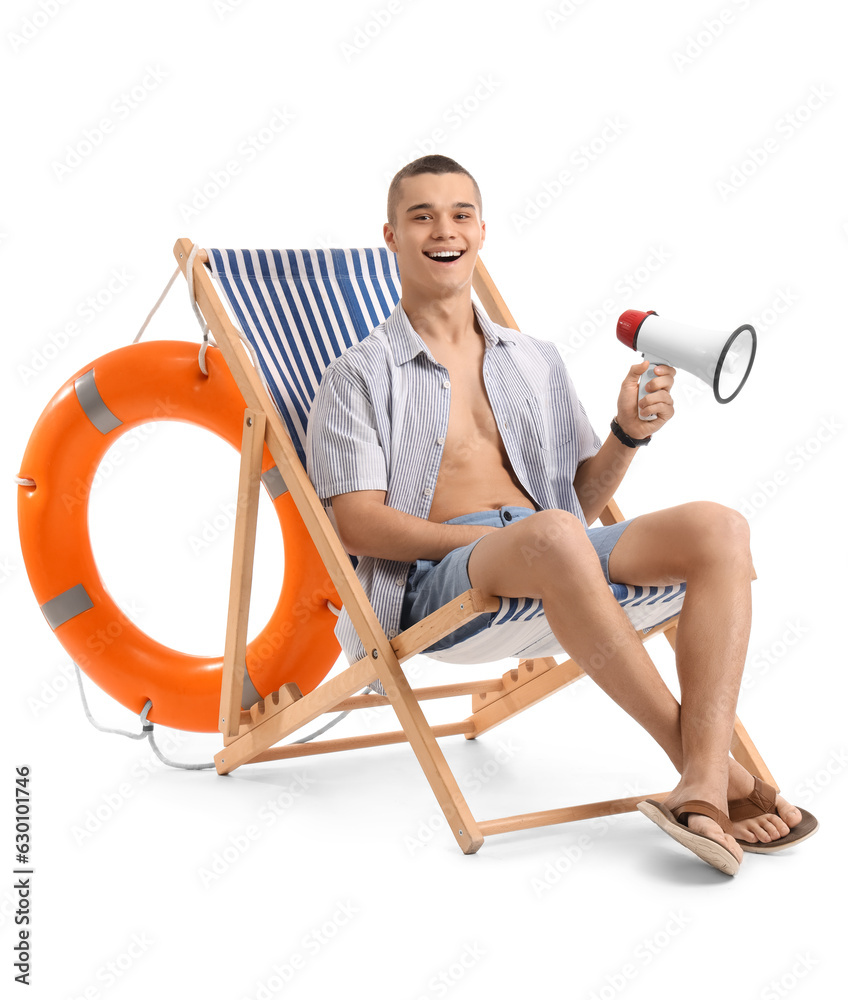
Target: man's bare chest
(472, 426)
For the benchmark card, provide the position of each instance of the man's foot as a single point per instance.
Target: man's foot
(684, 823)
(767, 825)
(763, 821)
(701, 824)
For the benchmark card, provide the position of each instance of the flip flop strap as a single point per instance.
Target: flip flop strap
(761, 800)
(702, 809)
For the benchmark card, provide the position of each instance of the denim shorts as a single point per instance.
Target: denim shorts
(432, 584)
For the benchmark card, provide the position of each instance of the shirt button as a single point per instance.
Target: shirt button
(446, 383)
(428, 492)
(399, 580)
(440, 440)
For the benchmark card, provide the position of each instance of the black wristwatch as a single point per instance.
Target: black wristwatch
(626, 439)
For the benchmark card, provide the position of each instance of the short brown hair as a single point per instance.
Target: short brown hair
(432, 164)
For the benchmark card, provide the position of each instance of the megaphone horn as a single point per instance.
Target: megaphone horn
(721, 360)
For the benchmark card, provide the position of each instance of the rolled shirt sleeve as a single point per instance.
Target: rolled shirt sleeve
(343, 449)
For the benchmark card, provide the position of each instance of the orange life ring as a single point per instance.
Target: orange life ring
(119, 391)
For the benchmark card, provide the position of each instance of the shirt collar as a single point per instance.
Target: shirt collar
(406, 344)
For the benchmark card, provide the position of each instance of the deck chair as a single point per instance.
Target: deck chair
(297, 310)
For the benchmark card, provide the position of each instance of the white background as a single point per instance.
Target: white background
(718, 146)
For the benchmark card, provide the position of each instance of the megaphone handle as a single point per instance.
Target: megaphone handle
(643, 381)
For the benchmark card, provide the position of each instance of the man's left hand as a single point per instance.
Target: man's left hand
(657, 401)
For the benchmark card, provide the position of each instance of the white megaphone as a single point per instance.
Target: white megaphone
(721, 360)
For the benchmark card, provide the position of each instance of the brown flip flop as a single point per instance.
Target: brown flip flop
(761, 801)
(706, 849)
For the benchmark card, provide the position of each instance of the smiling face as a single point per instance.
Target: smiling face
(436, 234)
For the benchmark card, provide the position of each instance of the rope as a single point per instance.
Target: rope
(175, 763)
(201, 357)
(118, 732)
(250, 350)
(330, 724)
(323, 729)
(146, 730)
(241, 335)
(159, 302)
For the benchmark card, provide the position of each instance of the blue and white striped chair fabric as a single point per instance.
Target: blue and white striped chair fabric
(300, 309)
(521, 627)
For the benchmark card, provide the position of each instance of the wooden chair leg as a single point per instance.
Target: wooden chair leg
(743, 749)
(430, 756)
(247, 509)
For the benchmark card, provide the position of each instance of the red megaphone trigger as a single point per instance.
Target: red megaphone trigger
(628, 326)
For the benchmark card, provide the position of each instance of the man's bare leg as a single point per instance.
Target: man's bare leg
(707, 546)
(549, 556)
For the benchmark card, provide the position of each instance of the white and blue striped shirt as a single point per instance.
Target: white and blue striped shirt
(380, 419)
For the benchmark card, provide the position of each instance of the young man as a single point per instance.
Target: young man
(455, 453)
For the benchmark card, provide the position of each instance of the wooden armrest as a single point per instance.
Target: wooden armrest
(442, 622)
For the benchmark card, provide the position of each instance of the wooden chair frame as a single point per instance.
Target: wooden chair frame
(250, 736)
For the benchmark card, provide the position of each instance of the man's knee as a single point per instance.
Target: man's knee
(554, 536)
(719, 532)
